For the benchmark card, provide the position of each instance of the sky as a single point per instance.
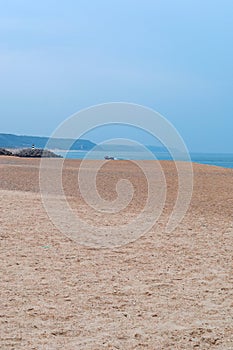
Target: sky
(175, 56)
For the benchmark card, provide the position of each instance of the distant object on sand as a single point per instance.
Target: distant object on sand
(36, 153)
(4, 152)
(109, 158)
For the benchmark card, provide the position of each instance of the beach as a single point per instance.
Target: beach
(161, 291)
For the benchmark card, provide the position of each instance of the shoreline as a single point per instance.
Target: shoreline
(222, 160)
(119, 160)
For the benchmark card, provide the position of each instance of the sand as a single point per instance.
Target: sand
(162, 291)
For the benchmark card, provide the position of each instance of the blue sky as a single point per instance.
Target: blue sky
(174, 56)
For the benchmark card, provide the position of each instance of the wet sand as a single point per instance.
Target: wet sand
(162, 291)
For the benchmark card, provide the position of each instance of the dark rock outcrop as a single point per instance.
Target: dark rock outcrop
(4, 152)
(36, 153)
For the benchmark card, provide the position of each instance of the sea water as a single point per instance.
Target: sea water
(217, 159)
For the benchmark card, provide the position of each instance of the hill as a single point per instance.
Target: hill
(21, 141)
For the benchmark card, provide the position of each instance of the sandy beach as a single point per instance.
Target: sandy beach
(162, 291)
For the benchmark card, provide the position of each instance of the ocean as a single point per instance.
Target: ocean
(217, 159)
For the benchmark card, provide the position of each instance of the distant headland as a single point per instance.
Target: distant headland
(10, 141)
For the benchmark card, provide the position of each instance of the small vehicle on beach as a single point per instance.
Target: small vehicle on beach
(109, 158)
